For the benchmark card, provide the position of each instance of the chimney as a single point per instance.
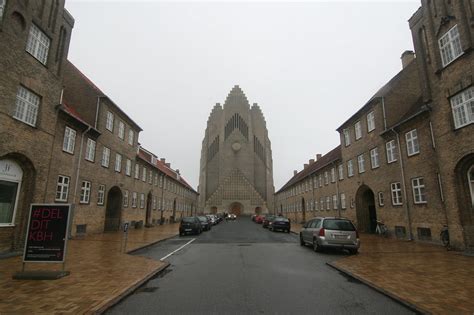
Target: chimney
(305, 166)
(168, 165)
(163, 160)
(407, 57)
(295, 172)
(318, 156)
(311, 161)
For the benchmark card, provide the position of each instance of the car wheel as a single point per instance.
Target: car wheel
(301, 240)
(316, 246)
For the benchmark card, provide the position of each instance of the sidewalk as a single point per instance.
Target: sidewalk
(100, 275)
(424, 276)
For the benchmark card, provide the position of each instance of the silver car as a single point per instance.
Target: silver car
(330, 232)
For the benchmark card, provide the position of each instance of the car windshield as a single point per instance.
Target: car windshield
(336, 224)
(281, 219)
(202, 219)
(188, 220)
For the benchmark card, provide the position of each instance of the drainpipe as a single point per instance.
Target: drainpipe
(97, 111)
(383, 113)
(402, 171)
(162, 199)
(337, 190)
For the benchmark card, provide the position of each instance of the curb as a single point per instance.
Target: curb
(392, 296)
(150, 244)
(105, 306)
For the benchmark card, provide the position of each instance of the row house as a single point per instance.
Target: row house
(407, 155)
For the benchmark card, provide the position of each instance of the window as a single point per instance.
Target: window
(350, 168)
(156, 179)
(333, 175)
(374, 158)
(144, 174)
(26, 106)
(105, 157)
(90, 150)
(343, 201)
(316, 205)
(463, 108)
(137, 171)
(10, 184)
(121, 130)
(130, 137)
(358, 130)
(150, 177)
(118, 162)
(2, 7)
(326, 178)
(38, 44)
(109, 125)
(62, 188)
(396, 189)
(413, 146)
(370, 121)
(142, 201)
(128, 167)
(125, 198)
(361, 163)
(134, 199)
(418, 185)
(341, 171)
(315, 182)
(334, 202)
(328, 203)
(69, 140)
(392, 154)
(381, 200)
(320, 180)
(347, 137)
(470, 179)
(450, 46)
(85, 192)
(161, 181)
(100, 195)
(154, 202)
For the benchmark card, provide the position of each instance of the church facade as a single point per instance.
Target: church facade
(236, 169)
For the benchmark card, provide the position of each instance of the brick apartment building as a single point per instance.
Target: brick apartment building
(62, 140)
(407, 156)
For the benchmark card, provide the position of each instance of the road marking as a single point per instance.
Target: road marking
(177, 250)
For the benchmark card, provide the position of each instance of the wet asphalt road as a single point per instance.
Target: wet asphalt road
(240, 268)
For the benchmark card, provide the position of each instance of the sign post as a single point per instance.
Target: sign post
(46, 240)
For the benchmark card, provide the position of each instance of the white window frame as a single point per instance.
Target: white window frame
(100, 195)
(333, 175)
(462, 105)
(144, 174)
(381, 199)
(125, 198)
(142, 200)
(374, 158)
(85, 196)
(121, 130)
(341, 171)
(131, 136)
(128, 167)
(413, 145)
(26, 106)
(334, 202)
(118, 162)
(150, 177)
(396, 192)
(347, 137)
(322, 205)
(326, 178)
(62, 188)
(350, 168)
(38, 44)
(392, 153)
(105, 157)
(2, 8)
(137, 171)
(419, 190)
(358, 130)
(370, 121)
(450, 47)
(69, 140)
(361, 163)
(109, 124)
(134, 199)
(328, 203)
(90, 150)
(343, 201)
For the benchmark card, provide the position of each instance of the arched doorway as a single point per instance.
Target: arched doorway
(113, 212)
(149, 198)
(465, 195)
(258, 210)
(173, 218)
(236, 208)
(303, 210)
(365, 209)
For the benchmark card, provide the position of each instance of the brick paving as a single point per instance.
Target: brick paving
(100, 275)
(423, 276)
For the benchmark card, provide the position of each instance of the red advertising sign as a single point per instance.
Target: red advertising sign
(47, 233)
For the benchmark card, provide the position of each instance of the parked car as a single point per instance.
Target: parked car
(259, 219)
(190, 225)
(330, 232)
(253, 217)
(267, 219)
(212, 218)
(231, 216)
(280, 224)
(205, 223)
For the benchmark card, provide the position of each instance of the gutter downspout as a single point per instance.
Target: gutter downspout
(97, 111)
(338, 200)
(383, 113)
(402, 171)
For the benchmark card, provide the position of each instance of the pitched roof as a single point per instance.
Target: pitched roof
(417, 108)
(325, 160)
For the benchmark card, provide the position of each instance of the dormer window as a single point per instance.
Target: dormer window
(450, 46)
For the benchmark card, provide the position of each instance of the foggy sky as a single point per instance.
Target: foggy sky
(309, 66)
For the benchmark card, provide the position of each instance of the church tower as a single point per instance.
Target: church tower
(236, 169)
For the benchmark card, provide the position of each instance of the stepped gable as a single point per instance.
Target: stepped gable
(216, 109)
(256, 109)
(236, 97)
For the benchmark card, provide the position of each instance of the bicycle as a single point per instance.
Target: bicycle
(381, 229)
(444, 236)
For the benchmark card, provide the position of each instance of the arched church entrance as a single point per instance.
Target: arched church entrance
(148, 221)
(236, 208)
(365, 209)
(113, 212)
(465, 181)
(258, 210)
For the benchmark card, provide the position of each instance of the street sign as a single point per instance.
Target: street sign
(46, 237)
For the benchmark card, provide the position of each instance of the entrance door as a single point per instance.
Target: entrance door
(465, 198)
(236, 208)
(365, 209)
(113, 211)
(148, 210)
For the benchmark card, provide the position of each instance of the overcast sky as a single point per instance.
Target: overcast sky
(309, 65)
